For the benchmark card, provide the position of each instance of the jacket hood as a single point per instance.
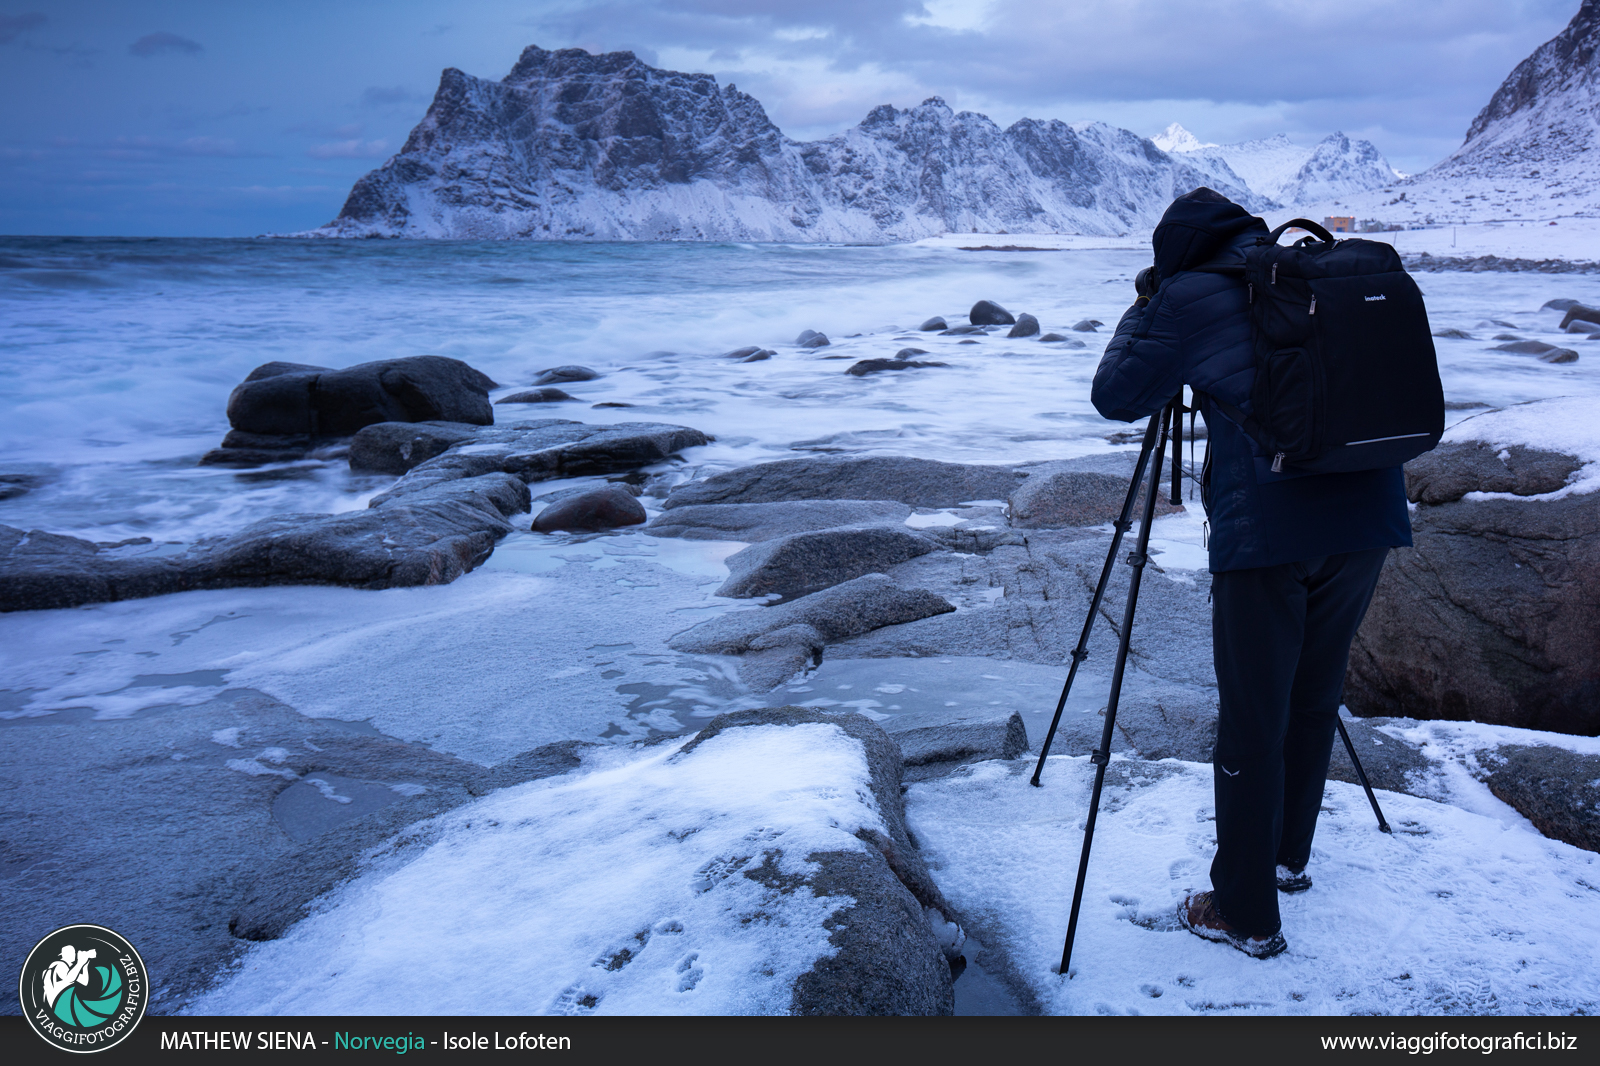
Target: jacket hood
(1196, 227)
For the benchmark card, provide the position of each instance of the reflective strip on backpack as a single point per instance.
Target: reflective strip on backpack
(1380, 440)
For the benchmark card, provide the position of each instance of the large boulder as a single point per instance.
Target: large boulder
(1555, 789)
(802, 563)
(301, 405)
(764, 521)
(1027, 326)
(604, 508)
(1494, 615)
(917, 482)
(989, 313)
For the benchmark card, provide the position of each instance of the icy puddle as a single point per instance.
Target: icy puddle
(1455, 913)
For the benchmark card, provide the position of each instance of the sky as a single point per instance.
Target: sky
(186, 118)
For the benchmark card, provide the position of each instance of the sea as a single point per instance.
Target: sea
(117, 356)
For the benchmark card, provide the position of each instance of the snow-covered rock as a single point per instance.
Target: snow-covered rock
(577, 146)
(1177, 139)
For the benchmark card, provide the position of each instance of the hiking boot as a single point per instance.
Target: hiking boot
(1198, 915)
(1292, 881)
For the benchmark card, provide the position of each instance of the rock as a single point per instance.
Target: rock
(1495, 323)
(758, 357)
(1458, 334)
(1454, 469)
(1163, 720)
(1464, 405)
(558, 374)
(1088, 491)
(1390, 763)
(609, 403)
(1088, 325)
(763, 521)
(428, 537)
(740, 353)
(537, 396)
(549, 448)
(954, 331)
(14, 485)
(1558, 305)
(174, 875)
(777, 642)
(907, 353)
(873, 366)
(1056, 338)
(596, 509)
(810, 338)
(934, 750)
(1548, 353)
(395, 447)
(989, 313)
(289, 400)
(1491, 616)
(1555, 789)
(917, 482)
(280, 892)
(967, 342)
(933, 323)
(802, 563)
(1579, 313)
(1583, 326)
(1026, 326)
(1506, 337)
(886, 957)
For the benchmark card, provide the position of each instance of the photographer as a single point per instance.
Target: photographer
(1294, 559)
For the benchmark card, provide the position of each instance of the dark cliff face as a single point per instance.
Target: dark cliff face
(1560, 64)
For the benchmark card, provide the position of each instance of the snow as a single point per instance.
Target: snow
(1565, 424)
(1455, 913)
(621, 886)
(1177, 139)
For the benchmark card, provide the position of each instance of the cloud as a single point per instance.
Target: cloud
(818, 65)
(14, 26)
(155, 43)
(190, 147)
(379, 96)
(354, 148)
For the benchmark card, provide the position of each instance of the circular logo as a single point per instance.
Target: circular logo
(83, 988)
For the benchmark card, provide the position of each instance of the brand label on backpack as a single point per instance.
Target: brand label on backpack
(1380, 296)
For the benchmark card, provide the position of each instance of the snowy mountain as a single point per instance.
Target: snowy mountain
(1529, 153)
(1285, 172)
(1177, 139)
(577, 146)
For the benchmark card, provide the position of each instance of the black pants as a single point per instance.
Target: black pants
(1281, 640)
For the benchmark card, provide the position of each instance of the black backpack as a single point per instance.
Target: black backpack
(1346, 375)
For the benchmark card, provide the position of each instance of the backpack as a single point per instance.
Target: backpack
(1346, 375)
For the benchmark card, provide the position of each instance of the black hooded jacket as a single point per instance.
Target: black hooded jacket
(1195, 331)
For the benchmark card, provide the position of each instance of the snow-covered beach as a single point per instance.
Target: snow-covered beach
(119, 356)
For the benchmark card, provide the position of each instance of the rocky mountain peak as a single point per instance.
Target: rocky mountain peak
(1562, 65)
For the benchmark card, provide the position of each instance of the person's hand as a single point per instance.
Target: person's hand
(1146, 282)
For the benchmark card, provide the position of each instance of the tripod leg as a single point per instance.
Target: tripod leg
(1101, 756)
(1361, 775)
(1081, 652)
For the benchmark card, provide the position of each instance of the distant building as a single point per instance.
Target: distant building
(1340, 223)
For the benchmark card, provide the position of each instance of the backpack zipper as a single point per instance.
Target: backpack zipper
(1313, 303)
(1252, 293)
(1274, 273)
(1277, 463)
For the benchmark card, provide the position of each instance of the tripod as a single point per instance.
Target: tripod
(1155, 443)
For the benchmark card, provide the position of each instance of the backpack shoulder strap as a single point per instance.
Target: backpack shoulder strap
(1303, 223)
